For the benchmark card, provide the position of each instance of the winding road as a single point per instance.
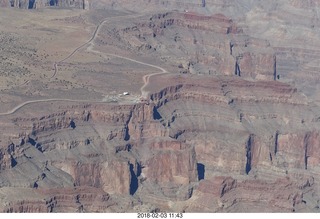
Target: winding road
(145, 78)
(94, 34)
(55, 65)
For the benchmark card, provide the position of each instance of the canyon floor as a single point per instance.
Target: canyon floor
(160, 106)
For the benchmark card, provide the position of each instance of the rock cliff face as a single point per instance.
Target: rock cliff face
(234, 126)
(62, 200)
(110, 150)
(204, 144)
(36, 4)
(198, 44)
(256, 140)
(227, 194)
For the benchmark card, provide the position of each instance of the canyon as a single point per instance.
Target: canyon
(159, 106)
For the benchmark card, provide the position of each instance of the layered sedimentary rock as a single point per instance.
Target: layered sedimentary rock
(234, 126)
(97, 156)
(204, 144)
(197, 43)
(256, 141)
(36, 4)
(61, 200)
(228, 194)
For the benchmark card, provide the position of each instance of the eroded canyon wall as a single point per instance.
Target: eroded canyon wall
(36, 4)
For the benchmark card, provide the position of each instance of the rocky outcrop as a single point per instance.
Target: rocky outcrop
(108, 151)
(235, 52)
(258, 66)
(302, 153)
(305, 4)
(171, 165)
(236, 131)
(80, 199)
(158, 150)
(225, 194)
(36, 4)
(258, 153)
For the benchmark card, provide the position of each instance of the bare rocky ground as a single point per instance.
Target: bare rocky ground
(222, 113)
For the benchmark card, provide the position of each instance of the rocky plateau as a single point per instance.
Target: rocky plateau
(221, 109)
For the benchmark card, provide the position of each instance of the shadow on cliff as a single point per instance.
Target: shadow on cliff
(201, 171)
(72, 124)
(35, 144)
(53, 2)
(31, 4)
(156, 114)
(134, 181)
